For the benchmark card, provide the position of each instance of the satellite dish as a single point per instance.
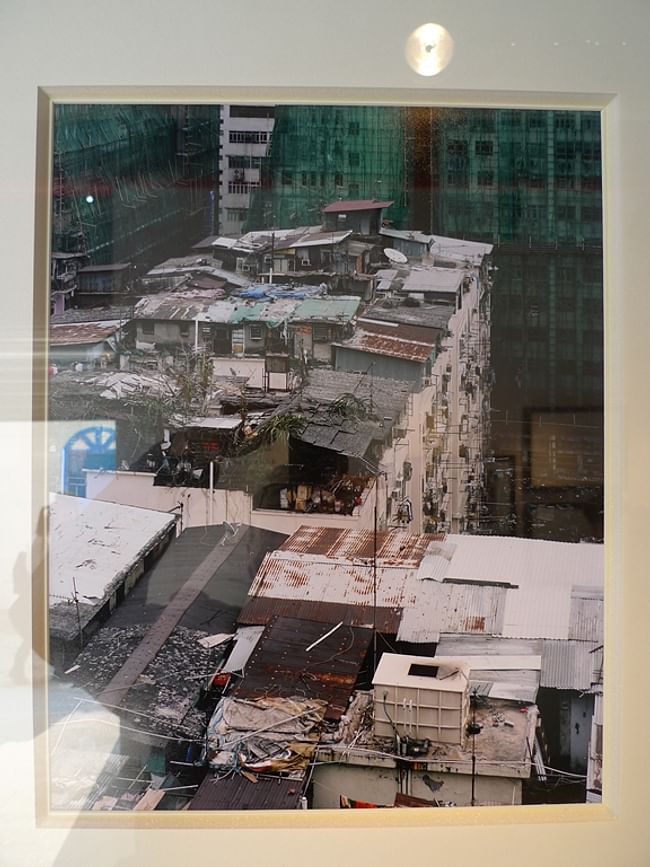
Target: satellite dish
(395, 256)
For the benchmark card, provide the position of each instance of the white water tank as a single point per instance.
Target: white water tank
(416, 697)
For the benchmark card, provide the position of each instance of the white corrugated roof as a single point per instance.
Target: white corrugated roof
(92, 542)
(544, 573)
(433, 280)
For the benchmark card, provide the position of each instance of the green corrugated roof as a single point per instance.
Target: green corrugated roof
(335, 309)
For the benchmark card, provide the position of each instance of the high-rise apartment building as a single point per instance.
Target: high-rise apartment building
(245, 137)
(134, 183)
(323, 153)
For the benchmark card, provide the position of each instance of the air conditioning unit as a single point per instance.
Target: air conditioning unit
(245, 268)
(399, 433)
(305, 263)
(427, 380)
(396, 493)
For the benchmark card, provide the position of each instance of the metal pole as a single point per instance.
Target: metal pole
(374, 579)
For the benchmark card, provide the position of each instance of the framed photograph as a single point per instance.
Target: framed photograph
(320, 510)
(329, 387)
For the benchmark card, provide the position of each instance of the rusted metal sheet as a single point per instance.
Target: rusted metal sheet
(82, 332)
(395, 347)
(237, 792)
(282, 666)
(261, 611)
(393, 547)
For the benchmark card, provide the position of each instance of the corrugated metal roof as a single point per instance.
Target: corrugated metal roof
(434, 280)
(427, 316)
(405, 235)
(458, 608)
(461, 250)
(567, 665)
(340, 308)
(319, 239)
(93, 542)
(544, 573)
(393, 547)
(183, 306)
(282, 666)
(355, 205)
(82, 332)
(273, 312)
(262, 609)
(236, 792)
(587, 614)
(401, 330)
(393, 346)
(487, 645)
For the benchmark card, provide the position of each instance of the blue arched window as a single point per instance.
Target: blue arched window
(92, 448)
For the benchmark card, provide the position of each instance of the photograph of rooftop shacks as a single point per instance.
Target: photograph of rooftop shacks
(325, 439)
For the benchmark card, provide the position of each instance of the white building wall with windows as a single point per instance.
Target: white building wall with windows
(245, 138)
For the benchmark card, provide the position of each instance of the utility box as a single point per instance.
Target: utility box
(416, 697)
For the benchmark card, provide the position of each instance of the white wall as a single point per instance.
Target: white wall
(137, 489)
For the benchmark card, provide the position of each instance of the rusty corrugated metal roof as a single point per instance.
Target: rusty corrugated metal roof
(393, 546)
(282, 666)
(467, 609)
(236, 792)
(82, 332)
(382, 344)
(260, 610)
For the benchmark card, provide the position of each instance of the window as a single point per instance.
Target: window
(565, 182)
(252, 111)
(287, 178)
(592, 213)
(565, 120)
(483, 148)
(353, 190)
(244, 162)
(565, 150)
(236, 215)
(566, 212)
(485, 179)
(457, 179)
(184, 329)
(305, 179)
(338, 180)
(353, 159)
(591, 183)
(255, 332)
(148, 327)
(239, 188)
(321, 332)
(353, 127)
(249, 137)
(457, 146)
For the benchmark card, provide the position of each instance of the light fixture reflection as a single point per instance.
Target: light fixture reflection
(429, 49)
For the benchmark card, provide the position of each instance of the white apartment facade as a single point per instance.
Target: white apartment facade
(245, 138)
